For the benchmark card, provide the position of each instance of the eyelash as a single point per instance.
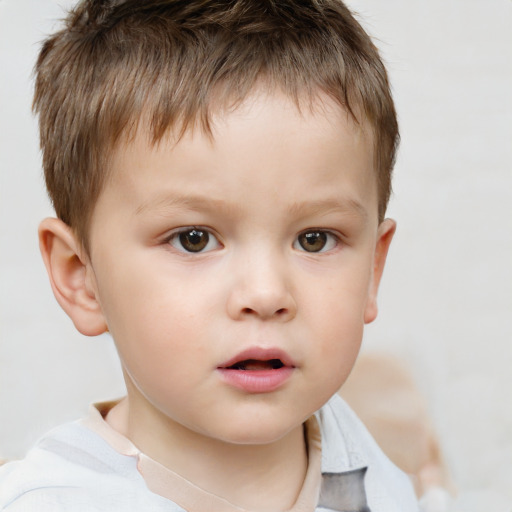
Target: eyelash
(193, 231)
(331, 240)
(196, 237)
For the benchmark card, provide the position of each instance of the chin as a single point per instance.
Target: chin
(256, 432)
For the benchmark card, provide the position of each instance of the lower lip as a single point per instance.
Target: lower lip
(257, 381)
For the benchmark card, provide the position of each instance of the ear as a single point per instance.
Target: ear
(385, 233)
(71, 276)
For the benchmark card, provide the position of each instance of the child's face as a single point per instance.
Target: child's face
(259, 244)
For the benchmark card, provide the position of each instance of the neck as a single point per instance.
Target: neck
(259, 477)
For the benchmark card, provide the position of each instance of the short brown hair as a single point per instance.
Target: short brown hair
(173, 61)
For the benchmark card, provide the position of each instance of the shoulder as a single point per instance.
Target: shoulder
(72, 468)
(347, 445)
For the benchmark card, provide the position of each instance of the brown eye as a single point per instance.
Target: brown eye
(313, 241)
(194, 240)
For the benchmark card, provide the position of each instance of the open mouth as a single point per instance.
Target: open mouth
(258, 370)
(256, 364)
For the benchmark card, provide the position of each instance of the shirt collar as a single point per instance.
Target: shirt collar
(334, 480)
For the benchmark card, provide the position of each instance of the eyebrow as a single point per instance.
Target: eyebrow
(333, 205)
(348, 206)
(188, 202)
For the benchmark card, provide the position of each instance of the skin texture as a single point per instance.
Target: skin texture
(269, 174)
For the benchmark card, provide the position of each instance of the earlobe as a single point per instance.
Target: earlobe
(70, 272)
(385, 234)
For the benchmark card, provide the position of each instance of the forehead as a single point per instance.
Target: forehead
(313, 107)
(292, 145)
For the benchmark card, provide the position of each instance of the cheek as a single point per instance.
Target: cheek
(158, 325)
(338, 329)
(158, 334)
(340, 347)
(138, 296)
(163, 357)
(339, 305)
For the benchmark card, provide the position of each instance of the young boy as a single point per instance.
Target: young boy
(220, 173)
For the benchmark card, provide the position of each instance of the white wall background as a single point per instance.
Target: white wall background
(446, 300)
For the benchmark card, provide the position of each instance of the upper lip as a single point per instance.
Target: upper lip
(260, 354)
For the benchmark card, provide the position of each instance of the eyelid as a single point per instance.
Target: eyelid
(335, 236)
(175, 233)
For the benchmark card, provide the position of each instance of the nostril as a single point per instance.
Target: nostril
(279, 312)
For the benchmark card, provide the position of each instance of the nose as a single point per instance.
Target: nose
(261, 288)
